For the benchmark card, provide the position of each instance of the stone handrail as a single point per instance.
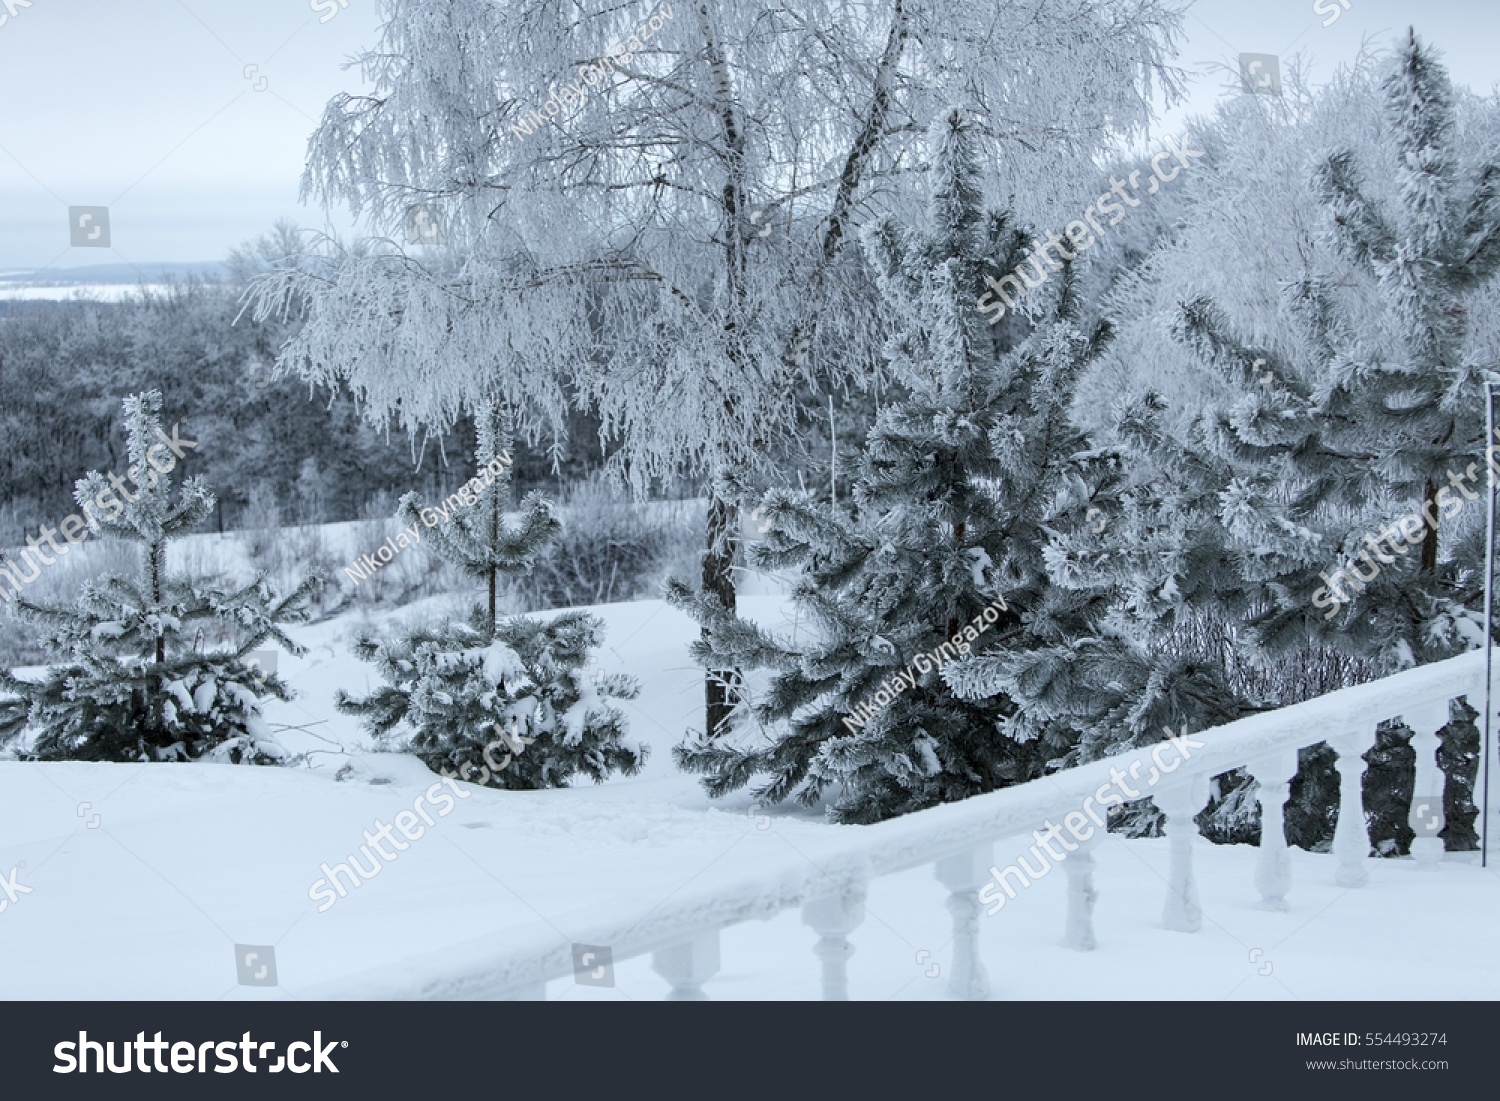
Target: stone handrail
(829, 883)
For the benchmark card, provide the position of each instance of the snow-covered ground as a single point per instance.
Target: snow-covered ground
(143, 878)
(63, 292)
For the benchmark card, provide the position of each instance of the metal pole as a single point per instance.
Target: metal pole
(833, 455)
(1489, 633)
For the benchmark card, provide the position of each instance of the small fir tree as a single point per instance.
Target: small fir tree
(140, 681)
(477, 539)
(504, 702)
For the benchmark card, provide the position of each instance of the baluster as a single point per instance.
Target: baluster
(963, 874)
(1180, 803)
(1273, 871)
(1079, 931)
(1351, 837)
(687, 965)
(833, 918)
(1426, 814)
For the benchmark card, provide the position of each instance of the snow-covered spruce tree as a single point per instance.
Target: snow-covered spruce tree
(1352, 418)
(510, 708)
(1385, 416)
(1398, 415)
(946, 522)
(459, 691)
(140, 681)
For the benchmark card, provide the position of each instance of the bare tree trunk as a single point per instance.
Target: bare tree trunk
(1430, 537)
(496, 504)
(721, 686)
(157, 560)
(492, 602)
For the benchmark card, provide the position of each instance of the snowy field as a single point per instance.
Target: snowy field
(66, 292)
(183, 862)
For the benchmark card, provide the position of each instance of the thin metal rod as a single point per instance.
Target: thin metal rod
(833, 455)
(1489, 615)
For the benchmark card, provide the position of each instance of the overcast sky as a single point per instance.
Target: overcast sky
(145, 106)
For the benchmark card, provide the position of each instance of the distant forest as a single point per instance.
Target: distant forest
(307, 452)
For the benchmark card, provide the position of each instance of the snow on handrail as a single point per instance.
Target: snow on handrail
(849, 857)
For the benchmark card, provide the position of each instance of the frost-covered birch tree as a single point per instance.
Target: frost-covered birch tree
(648, 210)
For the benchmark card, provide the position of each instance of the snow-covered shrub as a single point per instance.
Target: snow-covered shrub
(609, 550)
(142, 679)
(451, 689)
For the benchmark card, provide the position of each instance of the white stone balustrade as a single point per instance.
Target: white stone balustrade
(1351, 837)
(963, 874)
(1273, 872)
(1426, 719)
(1078, 934)
(687, 965)
(829, 883)
(1182, 912)
(833, 918)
